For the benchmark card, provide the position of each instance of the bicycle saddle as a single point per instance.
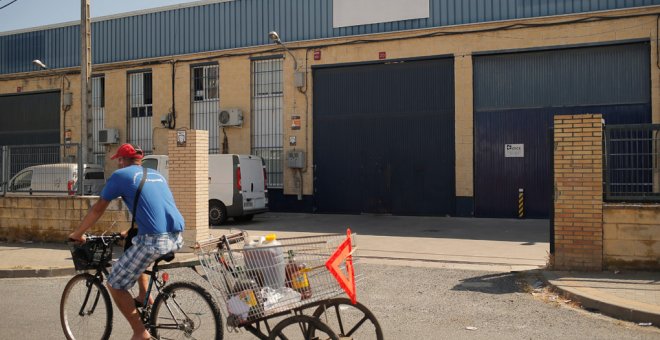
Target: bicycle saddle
(167, 258)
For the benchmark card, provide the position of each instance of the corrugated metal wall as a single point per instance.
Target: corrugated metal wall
(30, 118)
(516, 96)
(384, 138)
(242, 23)
(617, 74)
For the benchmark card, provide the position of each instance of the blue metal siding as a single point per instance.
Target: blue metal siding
(516, 96)
(605, 75)
(391, 127)
(242, 23)
(497, 178)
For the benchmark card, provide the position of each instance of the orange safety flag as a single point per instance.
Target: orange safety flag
(343, 252)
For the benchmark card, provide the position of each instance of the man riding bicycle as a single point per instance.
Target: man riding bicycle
(159, 222)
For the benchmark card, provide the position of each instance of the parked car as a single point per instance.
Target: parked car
(237, 185)
(56, 179)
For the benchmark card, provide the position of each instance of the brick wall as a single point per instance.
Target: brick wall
(51, 219)
(189, 182)
(578, 168)
(631, 236)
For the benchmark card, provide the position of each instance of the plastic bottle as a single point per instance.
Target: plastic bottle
(265, 256)
(296, 277)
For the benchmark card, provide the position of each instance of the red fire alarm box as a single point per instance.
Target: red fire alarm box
(382, 55)
(317, 54)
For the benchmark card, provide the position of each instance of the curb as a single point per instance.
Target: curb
(29, 273)
(55, 272)
(594, 304)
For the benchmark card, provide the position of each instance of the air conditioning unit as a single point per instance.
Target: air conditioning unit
(108, 136)
(231, 117)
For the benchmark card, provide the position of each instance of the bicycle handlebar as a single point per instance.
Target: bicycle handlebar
(112, 237)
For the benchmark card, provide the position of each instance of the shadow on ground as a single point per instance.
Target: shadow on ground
(526, 232)
(498, 283)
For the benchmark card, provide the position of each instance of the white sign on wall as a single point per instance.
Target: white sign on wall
(363, 12)
(514, 150)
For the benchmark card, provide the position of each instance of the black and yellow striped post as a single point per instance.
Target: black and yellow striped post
(521, 203)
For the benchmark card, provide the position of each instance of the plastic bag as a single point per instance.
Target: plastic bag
(279, 298)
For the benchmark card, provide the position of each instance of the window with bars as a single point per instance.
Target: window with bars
(97, 118)
(267, 121)
(140, 110)
(205, 106)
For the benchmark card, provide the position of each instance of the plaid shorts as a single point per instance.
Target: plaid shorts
(145, 250)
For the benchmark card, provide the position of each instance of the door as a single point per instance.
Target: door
(384, 138)
(516, 96)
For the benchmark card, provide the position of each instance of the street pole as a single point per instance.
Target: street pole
(85, 85)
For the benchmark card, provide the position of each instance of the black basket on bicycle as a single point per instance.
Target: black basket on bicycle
(90, 255)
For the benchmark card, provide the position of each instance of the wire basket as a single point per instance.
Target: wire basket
(90, 255)
(258, 280)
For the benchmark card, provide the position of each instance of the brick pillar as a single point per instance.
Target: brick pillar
(189, 181)
(578, 167)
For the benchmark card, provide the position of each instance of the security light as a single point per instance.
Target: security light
(275, 37)
(40, 64)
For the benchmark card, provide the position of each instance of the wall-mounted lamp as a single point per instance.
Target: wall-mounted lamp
(299, 77)
(273, 36)
(39, 64)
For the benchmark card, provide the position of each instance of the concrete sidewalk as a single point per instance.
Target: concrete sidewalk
(495, 245)
(630, 296)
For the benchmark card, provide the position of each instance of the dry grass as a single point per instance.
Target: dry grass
(533, 283)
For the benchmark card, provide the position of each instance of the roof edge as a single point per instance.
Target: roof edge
(116, 16)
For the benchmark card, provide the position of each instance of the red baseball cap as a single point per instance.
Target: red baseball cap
(128, 151)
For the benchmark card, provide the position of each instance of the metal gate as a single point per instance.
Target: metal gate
(30, 118)
(516, 96)
(499, 177)
(384, 138)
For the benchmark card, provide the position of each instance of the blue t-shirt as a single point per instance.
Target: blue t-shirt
(156, 212)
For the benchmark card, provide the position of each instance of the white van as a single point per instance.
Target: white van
(237, 185)
(56, 179)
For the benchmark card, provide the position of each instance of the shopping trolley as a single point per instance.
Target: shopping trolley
(296, 283)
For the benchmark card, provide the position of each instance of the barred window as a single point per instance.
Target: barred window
(205, 106)
(267, 123)
(140, 110)
(97, 118)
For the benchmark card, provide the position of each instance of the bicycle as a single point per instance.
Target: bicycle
(182, 310)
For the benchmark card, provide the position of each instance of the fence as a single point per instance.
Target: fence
(632, 163)
(42, 169)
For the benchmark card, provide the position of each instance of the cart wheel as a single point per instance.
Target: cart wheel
(299, 327)
(349, 321)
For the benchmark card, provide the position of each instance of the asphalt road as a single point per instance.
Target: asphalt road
(409, 302)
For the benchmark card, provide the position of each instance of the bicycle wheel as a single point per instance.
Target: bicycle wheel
(349, 320)
(302, 327)
(185, 310)
(85, 309)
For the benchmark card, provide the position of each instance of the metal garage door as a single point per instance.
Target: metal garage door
(384, 138)
(30, 118)
(516, 96)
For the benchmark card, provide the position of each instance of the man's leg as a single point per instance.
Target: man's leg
(143, 284)
(125, 272)
(125, 303)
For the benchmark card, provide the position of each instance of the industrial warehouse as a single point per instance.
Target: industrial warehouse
(440, 107)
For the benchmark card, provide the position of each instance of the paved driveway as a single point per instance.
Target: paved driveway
(442, 242)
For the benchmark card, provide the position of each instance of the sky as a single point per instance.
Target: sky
(32, 13)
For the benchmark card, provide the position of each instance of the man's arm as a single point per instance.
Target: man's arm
(92, 216)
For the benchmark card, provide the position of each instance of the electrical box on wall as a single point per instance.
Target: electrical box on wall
(67, 99)
(108, 136)
(296, 159)
(299, 78)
